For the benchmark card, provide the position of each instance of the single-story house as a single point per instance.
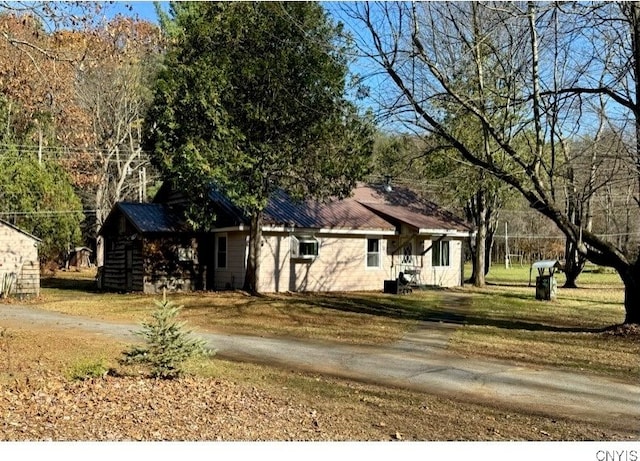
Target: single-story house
(19, 262)
(353, 244)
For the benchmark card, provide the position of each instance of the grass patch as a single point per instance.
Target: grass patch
(35, 352)
(356, 318)
(88, 369)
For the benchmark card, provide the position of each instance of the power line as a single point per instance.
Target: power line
(45, 212)
(559, 237)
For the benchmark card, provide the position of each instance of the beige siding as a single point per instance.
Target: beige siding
(339, 266)
(19, 260)
(444, 276)
(232, 277)
(275, 263)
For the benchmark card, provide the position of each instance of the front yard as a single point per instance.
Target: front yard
(500, 321)
(43, 399)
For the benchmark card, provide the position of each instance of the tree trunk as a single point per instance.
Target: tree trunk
(251, 279)
(479, 255)
(574, 264)
(488, 248)
(631, 279)
(477, 210)
(492, 227)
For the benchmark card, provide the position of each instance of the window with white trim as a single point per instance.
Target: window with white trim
(373, 252)
(304, 247)
(221, 252)
(440, 253)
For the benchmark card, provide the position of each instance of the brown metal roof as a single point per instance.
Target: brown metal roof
(368, 208)
(406, 206)
(335, 214)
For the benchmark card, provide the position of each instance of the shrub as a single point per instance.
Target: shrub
(168, 345)
(88, 369)
(7, 284)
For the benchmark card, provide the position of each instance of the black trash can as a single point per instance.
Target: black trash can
(546, 287)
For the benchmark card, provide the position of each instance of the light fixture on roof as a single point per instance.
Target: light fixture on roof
(387, 184)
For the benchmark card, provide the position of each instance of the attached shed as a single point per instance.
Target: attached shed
(148, 248)
(19, 262)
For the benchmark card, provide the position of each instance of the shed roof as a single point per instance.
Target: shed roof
(17, 229)
(147, 218)
(546, 264)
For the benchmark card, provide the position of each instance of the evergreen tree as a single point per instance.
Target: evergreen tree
(37, 196)
(252, 99)
(168, 344)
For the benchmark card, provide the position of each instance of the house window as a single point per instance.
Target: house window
(440, 253)
(304, 247)
(373, 252)
(221, 252)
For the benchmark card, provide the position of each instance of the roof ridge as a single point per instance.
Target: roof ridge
(16, 228)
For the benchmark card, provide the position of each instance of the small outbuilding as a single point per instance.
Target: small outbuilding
(19, 262)
(148, 248)
(79, 258)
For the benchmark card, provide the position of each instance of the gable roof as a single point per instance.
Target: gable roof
(401, 204)
(345, 214)
(17, 229)
(370, 208)
(146, 218)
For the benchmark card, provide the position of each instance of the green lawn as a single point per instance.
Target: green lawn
(507, 322)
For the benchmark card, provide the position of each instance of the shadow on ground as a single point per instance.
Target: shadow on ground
(66, 283)
(450, 309)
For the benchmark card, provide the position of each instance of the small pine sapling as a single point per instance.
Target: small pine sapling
(168, 344)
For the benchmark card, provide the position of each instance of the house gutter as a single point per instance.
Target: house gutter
(445, 233)
(287, 229)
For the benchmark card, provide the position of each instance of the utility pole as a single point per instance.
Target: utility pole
(506, 246)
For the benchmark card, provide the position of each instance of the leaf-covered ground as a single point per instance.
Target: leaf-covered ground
(209, 409)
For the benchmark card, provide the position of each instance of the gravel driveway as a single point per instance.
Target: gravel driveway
(419, 361)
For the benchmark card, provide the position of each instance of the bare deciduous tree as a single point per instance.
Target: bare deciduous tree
(423, 49)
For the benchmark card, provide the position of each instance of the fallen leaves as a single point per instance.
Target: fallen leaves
(126, 408)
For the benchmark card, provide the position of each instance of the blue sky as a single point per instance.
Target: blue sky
(146, 10)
